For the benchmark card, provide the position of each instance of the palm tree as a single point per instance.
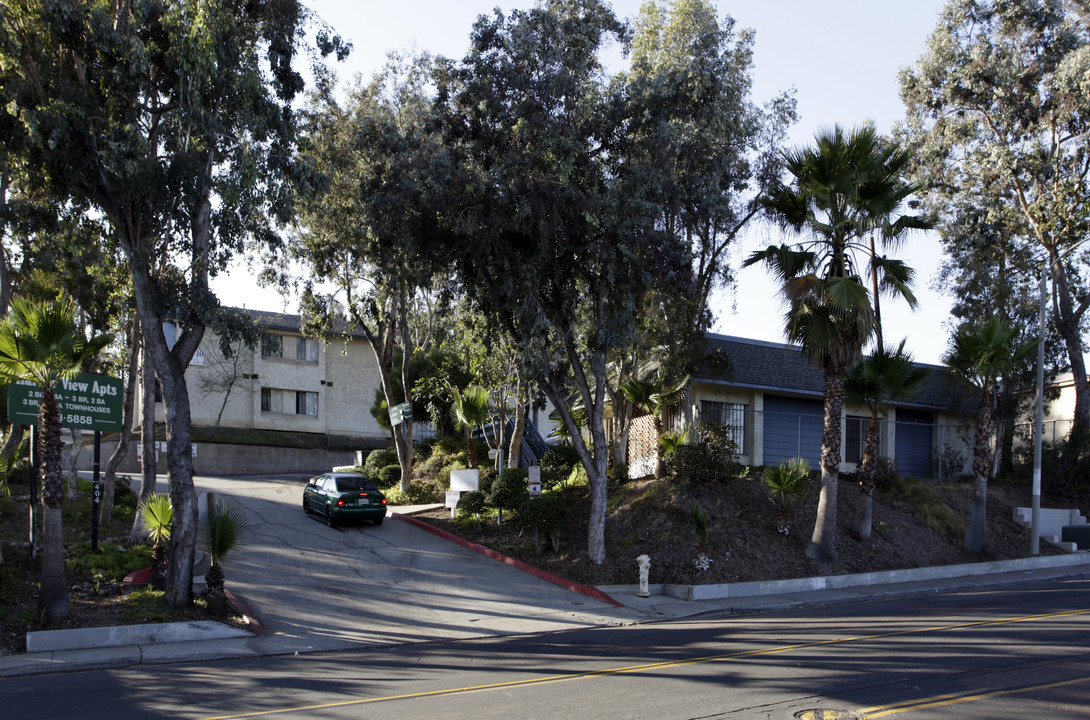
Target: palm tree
(883, 378)
(222, 528)
(653, 395)
(470, 410)
(157, 513)
(785, 483)
(983, 353)
(842, 188)
(41, 342)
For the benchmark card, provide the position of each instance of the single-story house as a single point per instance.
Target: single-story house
(771, 400)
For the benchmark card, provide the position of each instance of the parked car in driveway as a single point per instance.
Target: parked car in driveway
(343, 496)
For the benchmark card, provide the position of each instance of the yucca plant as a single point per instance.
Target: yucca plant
(786, 483)
(222, 528)
(157, 513)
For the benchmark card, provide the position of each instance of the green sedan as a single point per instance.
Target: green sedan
(344, 496)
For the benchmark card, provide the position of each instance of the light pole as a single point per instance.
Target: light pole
(1039, 421)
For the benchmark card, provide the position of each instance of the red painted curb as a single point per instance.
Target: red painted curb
(242, 607)
(518, 564)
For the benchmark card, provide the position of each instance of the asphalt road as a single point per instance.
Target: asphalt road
(1015, 653)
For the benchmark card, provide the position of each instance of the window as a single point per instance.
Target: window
(306, 350)
(306, 403)
(272, 345)
(289, 401)
(272, 400)
(731, 416)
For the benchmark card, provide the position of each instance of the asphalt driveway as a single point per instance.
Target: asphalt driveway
(326, 588)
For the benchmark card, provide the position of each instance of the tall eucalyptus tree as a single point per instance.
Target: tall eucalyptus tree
(174, 120)
(998, 104)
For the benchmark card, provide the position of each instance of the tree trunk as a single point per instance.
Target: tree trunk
(12, 441)
(53, 594)
(822, 548)
(976, 539)
(863, 520)
(660, 464)
(147, 445)
(106, 510)
(169, 365)
(73, 461)
(515, 448)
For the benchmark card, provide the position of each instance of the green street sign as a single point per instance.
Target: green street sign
(89, 402)
(400, 413)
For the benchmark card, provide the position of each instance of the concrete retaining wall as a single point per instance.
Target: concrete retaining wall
(213, 459)
(837, 582)
(834, 582)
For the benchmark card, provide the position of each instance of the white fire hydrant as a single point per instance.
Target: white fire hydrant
(645, 569)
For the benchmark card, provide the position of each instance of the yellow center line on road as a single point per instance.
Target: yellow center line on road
(651, 666)
(954, 699)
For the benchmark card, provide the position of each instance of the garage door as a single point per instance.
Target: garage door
(914, 431)
(792, 428)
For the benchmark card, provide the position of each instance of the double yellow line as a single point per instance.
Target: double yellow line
(869, 713)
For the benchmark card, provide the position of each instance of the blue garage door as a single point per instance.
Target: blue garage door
(914, 431)
(792, 429)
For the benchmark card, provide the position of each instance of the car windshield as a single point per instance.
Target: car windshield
(349, 484)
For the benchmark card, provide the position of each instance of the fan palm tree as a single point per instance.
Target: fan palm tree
(786, 483)
(41, 343)
(883, 378)
(222, 528)
(157, 513)
(983, 353)
(845, 186)
(470, 410)
(652, 394)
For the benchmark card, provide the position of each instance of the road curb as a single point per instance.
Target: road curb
(517, 564)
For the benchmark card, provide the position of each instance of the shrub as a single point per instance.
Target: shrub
(619, 473)
(510, 489)
(713, 456)
(578, 476)
(388, 476)
(547, 514)
(420, 492)
(379, 459)
(488, 476)
(111, 563)
(557, 464)
(124, 497)
(20, 472)
(472, 502)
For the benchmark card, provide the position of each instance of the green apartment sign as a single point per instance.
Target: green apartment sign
(89, 402)
(402, 412)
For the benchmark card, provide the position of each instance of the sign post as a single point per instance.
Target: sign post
(87, 402)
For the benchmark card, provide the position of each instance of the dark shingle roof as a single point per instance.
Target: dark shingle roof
(291, 323)
(762, 365)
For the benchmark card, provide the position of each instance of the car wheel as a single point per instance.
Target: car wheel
(378, 521)
(306, 506)
(329, 518)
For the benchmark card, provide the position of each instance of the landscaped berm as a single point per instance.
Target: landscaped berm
(916, 524)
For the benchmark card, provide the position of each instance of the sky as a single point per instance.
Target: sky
(841, 57)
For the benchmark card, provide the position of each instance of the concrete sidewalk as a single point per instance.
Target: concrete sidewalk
(595, 611)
